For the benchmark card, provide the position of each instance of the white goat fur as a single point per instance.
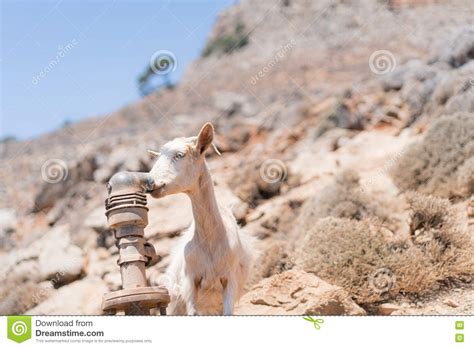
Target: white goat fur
(210, 263)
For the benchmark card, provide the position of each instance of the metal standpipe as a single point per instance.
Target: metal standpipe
(127, 215)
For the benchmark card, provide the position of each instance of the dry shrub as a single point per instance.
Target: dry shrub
(358, 255)
(465, 178)
(431, 166)
(343, 198)
(435, 230)
(273, 260)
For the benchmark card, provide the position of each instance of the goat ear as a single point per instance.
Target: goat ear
(205, 137)
(154, 153)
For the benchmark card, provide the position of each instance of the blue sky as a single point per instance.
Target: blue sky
(67, 60)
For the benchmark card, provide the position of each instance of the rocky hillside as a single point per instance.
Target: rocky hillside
(347, 139)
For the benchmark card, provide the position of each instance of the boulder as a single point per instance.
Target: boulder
(296, 292)
(52, 257)
(101, 262)
(459, 50)
(388, 308)
(16, 297)
(122, 158)
(58, 259)
(168, 216)
(96, 220)
(273, 259)
(8, 222)
(83, 297)
(59, 177)
(232, 103)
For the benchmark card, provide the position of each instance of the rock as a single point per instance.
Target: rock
(97, 220)
(113, 280)
(274, 259)
(99, 264)
(59, 177)
(17, 297)
(7, 227)
(122, 158)
(451, 303)
(232, 103)
(103, 174)
(52, 257)
(237, 134)
(58, 260)
(341, 116)
(164, 246)
(459, 50)
(422, 309)
(168, 216)
(395, 79)
(228, 199)
(57, 211)
(82, 297)
(7, 221)
(26, 270)
(296, 292)
(388, 308)
(240, 212)
(453, 93)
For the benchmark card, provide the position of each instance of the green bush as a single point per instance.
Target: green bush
(227, 43)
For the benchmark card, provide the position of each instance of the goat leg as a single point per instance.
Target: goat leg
(228, 296)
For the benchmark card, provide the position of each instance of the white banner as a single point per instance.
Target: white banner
(243, 331)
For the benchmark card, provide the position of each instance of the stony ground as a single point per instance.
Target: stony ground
(319, 89)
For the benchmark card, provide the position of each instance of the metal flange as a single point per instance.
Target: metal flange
(131, 301)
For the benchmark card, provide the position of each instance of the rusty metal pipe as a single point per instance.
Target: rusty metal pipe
(127, 215)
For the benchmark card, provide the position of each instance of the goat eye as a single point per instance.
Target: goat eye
(179, 155)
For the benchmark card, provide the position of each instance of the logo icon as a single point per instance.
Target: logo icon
(19, 328)
(316, 322)
(459, 338)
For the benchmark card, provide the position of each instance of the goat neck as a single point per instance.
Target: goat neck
(207, 218)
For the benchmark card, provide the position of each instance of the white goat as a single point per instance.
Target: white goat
(210, 263)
